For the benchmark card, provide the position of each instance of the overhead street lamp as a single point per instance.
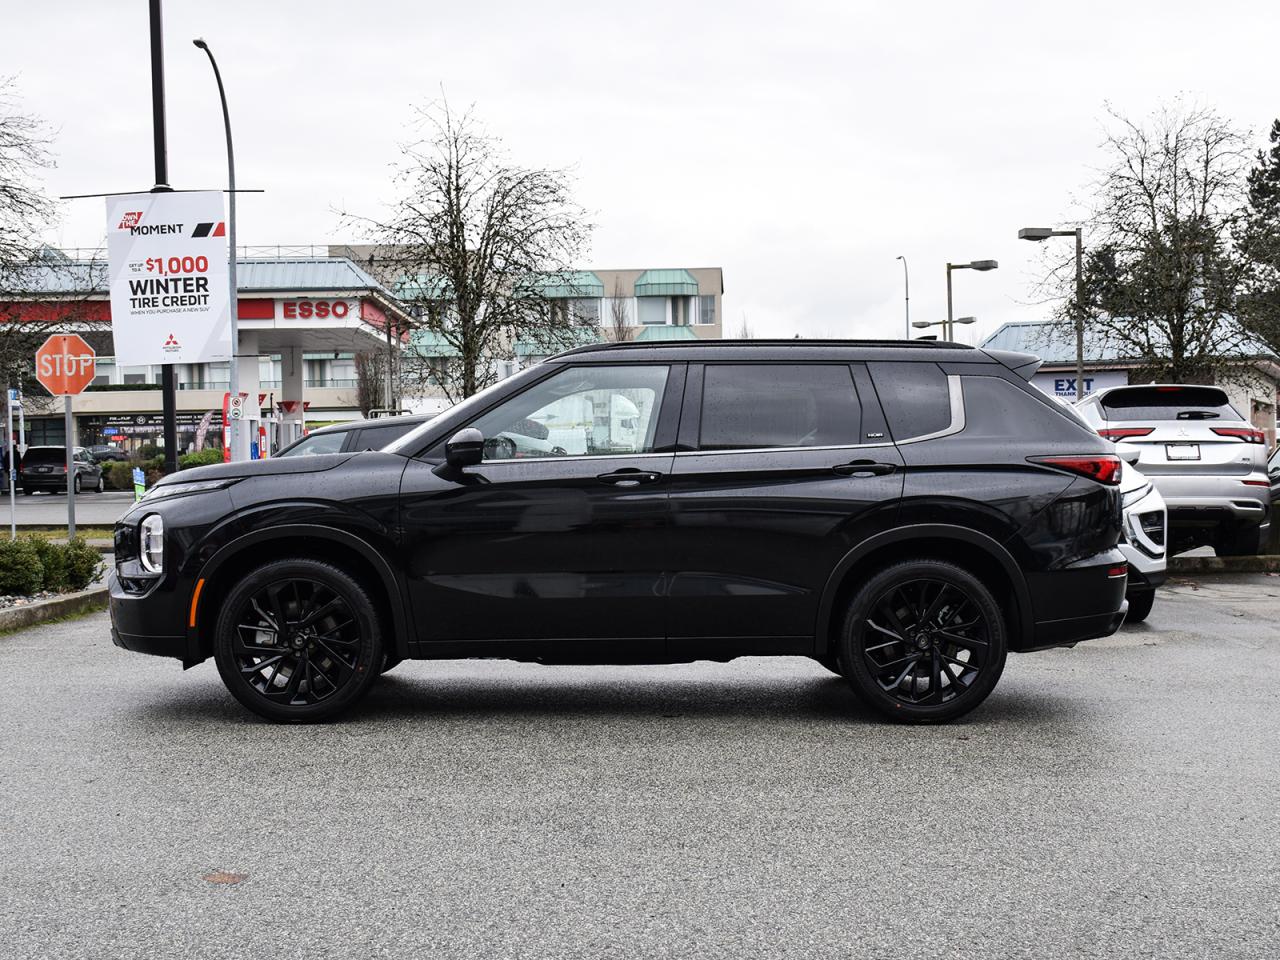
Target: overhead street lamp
(922, 324)
(948, 331)
(906, 292)
(1039, 234)
(238, 435)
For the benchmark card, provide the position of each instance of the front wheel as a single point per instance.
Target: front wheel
(923, 641)
(75, 484)
(100, 485)
(298, 641)
(1139, 606)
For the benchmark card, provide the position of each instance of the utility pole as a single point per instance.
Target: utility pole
(906, 292)
(168, 385)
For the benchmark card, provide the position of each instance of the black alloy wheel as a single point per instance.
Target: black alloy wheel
(924, 641)
(298, 640)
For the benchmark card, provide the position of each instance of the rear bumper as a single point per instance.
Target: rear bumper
(1213, 500)
(1083, 601)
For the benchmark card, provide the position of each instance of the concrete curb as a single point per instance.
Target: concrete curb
(1269, 563)
(67, 605)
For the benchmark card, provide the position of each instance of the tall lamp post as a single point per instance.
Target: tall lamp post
(922, 324)
(1039, 234)
(906, 293)
(233, 386)
(948, 331)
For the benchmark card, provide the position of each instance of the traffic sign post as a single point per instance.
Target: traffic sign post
(65, 365)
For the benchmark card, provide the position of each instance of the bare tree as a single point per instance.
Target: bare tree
(744, 332)
(475, 242)
(619, 318)
(371, 380)
(1162, 277)
(27, 270)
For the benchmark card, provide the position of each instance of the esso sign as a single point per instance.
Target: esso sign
(314, 309)
(65, 364)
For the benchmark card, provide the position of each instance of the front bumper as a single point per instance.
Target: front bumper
(134, 621)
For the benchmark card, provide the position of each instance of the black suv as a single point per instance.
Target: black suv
(903, 513)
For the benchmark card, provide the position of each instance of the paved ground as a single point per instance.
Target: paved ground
(50, 509)
(1118, 800)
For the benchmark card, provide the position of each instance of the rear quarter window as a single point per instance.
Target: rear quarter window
(915, 397)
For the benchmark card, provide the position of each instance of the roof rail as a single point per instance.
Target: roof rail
(777, 342)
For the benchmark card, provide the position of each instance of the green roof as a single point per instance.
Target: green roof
(428, 343)
(568, 283)
(661, 331)
(666, 283)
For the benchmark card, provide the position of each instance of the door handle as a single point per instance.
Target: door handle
(629, 477)
(864, 468)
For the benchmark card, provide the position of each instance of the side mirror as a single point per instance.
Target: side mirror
(1129, 453)
(465, 448)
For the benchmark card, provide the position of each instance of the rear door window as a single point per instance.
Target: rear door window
(1167, 403)
(761, 406)
(915, 396)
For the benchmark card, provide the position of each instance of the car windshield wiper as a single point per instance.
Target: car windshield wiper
(1197, 415)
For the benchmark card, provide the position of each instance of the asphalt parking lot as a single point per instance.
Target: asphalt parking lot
(1116, 800)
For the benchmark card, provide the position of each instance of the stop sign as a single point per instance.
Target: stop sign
(65, 364)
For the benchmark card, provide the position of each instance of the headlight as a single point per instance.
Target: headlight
(178, 489)
(151, 535)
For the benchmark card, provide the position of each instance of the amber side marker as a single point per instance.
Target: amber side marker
(195, 602)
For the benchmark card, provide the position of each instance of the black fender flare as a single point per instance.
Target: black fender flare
(379, 563)
(925, 531)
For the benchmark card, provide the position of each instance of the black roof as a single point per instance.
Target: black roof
(410, 418)
(941, 351)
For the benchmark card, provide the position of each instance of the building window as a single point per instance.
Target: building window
(706, 309)
(586, 311)
(652, 310)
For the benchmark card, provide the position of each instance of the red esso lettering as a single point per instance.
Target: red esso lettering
(290, 310)
(304, 310)
(322, 309)
(340, 309)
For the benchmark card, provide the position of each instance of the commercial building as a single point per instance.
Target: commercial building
(1251, 383)
(301, 322)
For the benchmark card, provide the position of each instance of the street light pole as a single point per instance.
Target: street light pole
(233, 385)
(949, 330)
(168, 385)
(906, 293)
(1040, 234)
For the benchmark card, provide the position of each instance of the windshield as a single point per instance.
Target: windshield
(316, 444)
(409, 442)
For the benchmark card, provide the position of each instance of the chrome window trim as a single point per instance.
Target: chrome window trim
(716, 453)
(955, 391)
(580, 456)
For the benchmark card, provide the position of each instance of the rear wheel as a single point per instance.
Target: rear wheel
(923, 641)
(1238, 542)
(100, 485)
(75, 484)
(1139, 606)
(298, 641)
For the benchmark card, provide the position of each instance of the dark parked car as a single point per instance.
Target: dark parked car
(903, 513)
(354, 436)
(104, 452)
(45, 468)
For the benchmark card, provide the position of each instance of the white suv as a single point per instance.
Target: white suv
(1144, 536)
(1208, 462)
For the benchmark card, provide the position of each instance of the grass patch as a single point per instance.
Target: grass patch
(60, 533)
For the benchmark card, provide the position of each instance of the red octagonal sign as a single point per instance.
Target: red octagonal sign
(65, 364)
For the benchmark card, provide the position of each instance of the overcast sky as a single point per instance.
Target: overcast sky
(800, 146)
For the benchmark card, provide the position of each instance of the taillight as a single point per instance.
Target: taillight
(1247, 434)
(1103, 467)
(1119, 570)
(1124, 433)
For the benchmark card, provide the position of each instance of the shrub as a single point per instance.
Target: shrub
(201, 458)
(118, 476)
(21, 572)
(53, 560)
(83, 564)
(149, 451)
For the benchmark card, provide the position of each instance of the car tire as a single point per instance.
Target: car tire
(100, 486)
(1139, 606)
(27, 491)
(923, 641)
(1239, 542)
(75, 484)
(319, 662)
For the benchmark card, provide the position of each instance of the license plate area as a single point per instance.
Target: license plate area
(1182, 451)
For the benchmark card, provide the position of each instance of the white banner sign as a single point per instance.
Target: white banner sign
(168, 261)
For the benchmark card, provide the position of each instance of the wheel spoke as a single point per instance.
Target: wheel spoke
(963, 641)
(337, 603)
(935, 676)
(932, 610)
(262, 664)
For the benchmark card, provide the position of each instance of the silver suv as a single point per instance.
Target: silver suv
(1207, 461)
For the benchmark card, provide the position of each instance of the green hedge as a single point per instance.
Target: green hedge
(201, 458)
(31, 564)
